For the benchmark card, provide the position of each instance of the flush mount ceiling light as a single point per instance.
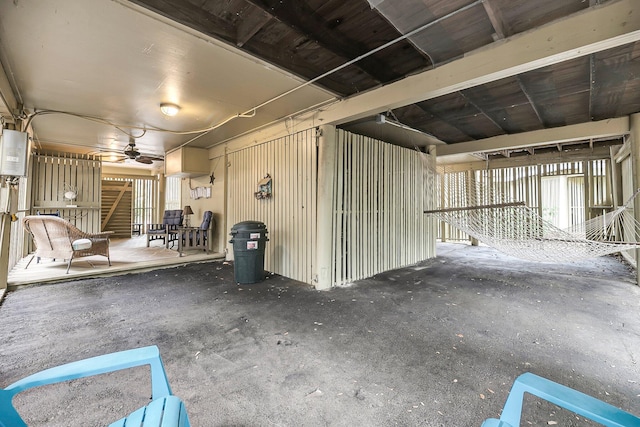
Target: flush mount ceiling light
(169, 109)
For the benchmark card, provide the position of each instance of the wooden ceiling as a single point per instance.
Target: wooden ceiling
(460, 72)
(311, 38)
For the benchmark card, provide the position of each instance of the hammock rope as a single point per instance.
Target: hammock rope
(517, 230)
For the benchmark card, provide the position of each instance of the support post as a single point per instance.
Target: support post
(9, 212)
(634, 128)
(616, 179)
(325, 206)
(5, 240)
(588, 194)
(161, 197)
(443, 225)
(471, 190)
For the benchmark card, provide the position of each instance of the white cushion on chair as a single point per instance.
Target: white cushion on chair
(81, 244)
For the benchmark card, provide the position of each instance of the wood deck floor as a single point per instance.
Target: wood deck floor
(127, 255)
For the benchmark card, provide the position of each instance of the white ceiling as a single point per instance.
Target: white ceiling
(117, 62)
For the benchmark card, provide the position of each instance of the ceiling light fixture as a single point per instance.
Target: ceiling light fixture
(169, 109)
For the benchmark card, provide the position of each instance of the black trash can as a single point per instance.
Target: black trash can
(249, 239)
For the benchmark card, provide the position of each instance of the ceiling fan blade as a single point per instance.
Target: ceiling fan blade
(144, 159)
(111, 156)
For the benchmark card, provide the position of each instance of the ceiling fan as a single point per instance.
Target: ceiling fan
(132, 153)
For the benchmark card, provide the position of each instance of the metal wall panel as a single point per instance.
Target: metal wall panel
(379, 222)
(290, 213)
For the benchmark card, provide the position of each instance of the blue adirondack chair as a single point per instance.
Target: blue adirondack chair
(565, 397)
(165, 410)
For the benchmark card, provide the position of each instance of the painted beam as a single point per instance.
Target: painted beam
(593, 30)
(582, 131)
(596, 153)
(8, 101)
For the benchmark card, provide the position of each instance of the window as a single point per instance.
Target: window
(172, 194)
(144, 197)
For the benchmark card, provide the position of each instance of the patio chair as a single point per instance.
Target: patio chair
(560, 395)
(167, 231)
(55, 237)
(200, 236)
(165, 409)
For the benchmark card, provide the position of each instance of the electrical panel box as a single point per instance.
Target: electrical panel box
(187, 162)
(14, 153)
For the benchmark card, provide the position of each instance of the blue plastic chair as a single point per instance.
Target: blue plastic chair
(165, 410)
(565, 397)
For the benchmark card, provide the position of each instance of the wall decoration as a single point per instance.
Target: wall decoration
(70, 194)
(200, 192)
(264, 188)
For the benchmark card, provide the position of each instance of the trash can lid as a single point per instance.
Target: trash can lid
(249, 225)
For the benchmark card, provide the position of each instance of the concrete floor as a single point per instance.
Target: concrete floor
(435, 344)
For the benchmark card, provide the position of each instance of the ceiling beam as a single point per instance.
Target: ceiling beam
(595, 29)
(299, 16)
(496, 20)
(582, 131)
(592, 83)
(8, 103)
(595, 153)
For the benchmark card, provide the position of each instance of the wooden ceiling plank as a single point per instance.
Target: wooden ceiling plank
(273, 54)
(192, 16)
(613, 70)
(610, 25)
(483, 112)
(532, 102)
(253, 21)
(447, 120)
(299, 16)
(582, 131)
(415, 116)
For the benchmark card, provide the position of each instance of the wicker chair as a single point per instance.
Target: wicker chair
(56, 237)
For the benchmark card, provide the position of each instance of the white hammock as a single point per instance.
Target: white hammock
(519, 231)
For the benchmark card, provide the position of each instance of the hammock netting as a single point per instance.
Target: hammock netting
(517, 230)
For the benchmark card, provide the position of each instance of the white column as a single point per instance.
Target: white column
(634, 128)
(5, 239)
(325, 205)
